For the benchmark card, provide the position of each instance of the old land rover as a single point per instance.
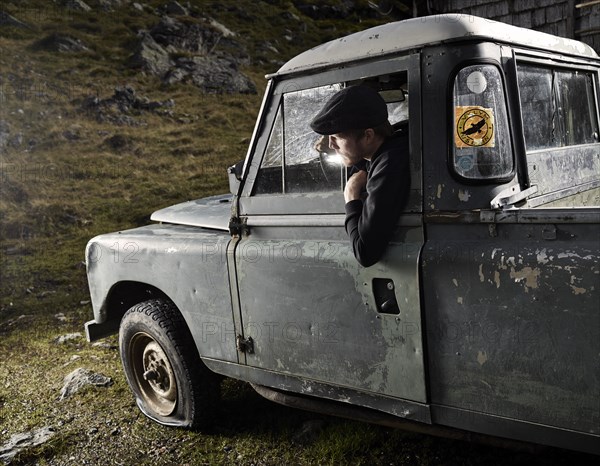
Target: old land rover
(483, 315)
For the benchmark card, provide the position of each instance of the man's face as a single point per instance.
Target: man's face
(349, 147)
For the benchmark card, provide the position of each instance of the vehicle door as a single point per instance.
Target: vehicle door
(306, 305)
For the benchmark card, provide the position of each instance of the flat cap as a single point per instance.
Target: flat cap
(354, 107)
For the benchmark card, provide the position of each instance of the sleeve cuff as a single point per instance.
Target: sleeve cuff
(354, 207)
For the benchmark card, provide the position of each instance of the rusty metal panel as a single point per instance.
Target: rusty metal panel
(398, 407)
(513, 320)
(564, 168)
(195, 262)
(310, 310)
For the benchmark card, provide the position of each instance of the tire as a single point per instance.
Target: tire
(171, 384)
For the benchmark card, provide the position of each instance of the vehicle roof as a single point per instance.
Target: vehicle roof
(427, 30)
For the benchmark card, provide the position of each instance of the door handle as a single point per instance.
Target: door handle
(385, 296)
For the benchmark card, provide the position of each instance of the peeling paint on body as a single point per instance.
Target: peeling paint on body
(527, 274)
(542, 257)
(463, 195)
(482, 357)
(577, 290)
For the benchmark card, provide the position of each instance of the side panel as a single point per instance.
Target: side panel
(188, 264)
(311, 309)
(513, 319)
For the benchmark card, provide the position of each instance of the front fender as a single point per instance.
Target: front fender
(187, 264)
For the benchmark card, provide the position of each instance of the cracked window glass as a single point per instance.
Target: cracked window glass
(296, 159)
(557, 107)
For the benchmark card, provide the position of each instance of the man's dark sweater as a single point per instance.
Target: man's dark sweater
(370, 223)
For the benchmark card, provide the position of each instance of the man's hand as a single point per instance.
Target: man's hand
(355, 186)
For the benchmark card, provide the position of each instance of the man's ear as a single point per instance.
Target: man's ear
(369, 134)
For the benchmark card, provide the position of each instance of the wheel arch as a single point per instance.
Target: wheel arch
(119, 299)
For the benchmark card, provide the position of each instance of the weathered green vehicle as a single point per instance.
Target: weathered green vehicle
(484, 313)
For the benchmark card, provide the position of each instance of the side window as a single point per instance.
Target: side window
(292, 160)
(270, 177)
(557, 107)
(482, 148)
(296, 159)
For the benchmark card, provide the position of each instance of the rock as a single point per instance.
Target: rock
(117, 108)
(150, 56)
(20, 442)
(324, 11)
(8, 20)
(81, 377)
(60, 316)
(23, 317)
(193, 37)
(175, 8)
(110, 5)
(269, 47)
(177, 75)
(74, 358)
(104, 345)
(210, 71)
(221, 28)
(312, 11)
(67, 338)
(288, 15)
(60, 43)
(78, 5)
(124, 97)
(213, 75)
(138, 7)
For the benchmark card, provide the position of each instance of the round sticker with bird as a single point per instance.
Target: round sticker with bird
(474, 126)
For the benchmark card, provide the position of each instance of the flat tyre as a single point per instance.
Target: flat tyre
(170, 382)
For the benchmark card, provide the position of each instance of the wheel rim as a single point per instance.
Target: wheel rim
(154, 374)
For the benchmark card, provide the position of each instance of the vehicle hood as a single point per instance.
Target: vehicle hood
(210, 212)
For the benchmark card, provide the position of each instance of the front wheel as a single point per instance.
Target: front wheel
(170, 382)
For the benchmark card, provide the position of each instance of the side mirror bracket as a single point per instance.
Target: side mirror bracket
(235, 173)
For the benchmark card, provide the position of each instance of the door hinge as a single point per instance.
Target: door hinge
(244, 345)
(237, 226)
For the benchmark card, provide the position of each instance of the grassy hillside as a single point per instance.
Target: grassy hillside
(66, 176)
(69, 172)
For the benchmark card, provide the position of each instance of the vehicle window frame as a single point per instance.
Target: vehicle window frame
(451, 124)
(549, 194)
(325, 202)
(556, 69)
